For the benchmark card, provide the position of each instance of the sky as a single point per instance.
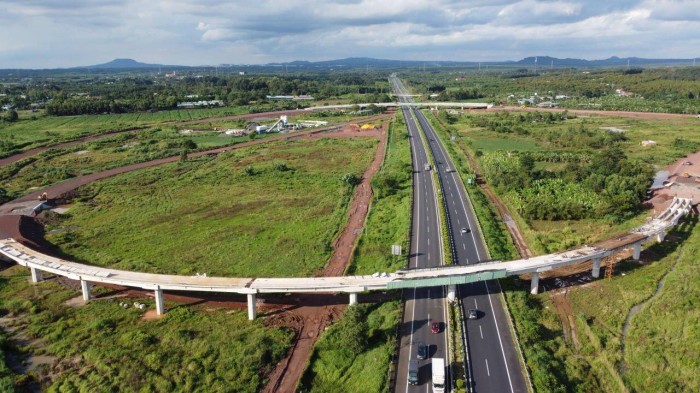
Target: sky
(68, 33)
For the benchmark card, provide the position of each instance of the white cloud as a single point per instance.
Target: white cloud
(49, 33)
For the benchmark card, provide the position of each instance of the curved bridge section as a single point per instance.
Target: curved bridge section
(39, 263)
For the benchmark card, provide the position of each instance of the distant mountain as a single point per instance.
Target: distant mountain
(362, 62)
(368, 62)
(125, 64)
(547, 61)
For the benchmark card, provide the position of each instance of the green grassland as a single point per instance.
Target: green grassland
(361, 364)
(42, 130)
(355, 353)
(242, 213)
(487, 144)
(663, 131)
(389, 217)
(102, 347)
(56, 165)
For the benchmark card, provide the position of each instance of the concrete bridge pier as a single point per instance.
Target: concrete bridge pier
(160, 306)
(535, 283)
(596, 268)
(353, 298)
(36, 275)
(252, 311)
(451, 292)
(660, 236)
(85, 286)
(636, 251)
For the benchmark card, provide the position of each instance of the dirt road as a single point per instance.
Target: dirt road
(312, 321)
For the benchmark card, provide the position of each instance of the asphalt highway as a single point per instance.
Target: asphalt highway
(494, 363)
(423, 305)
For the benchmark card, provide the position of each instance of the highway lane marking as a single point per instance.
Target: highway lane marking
(500, 341)
(487, 367)
(413, 311)
(475, 305)
(464, 246)
(466, 213)
(428, 241)
(481, 332)
(413, 328)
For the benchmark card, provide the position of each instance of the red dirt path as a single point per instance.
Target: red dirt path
(311, 321)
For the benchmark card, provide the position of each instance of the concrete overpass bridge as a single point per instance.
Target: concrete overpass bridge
(461, 105)
(39, 263)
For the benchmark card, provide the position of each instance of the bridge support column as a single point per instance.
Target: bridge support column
(451, 292)
(596, 268)
(252, 311)
(636, 251)
(353, 298)
(160, 305)
(85, 287)
(535, 283)
(661, 236)
(36, 275)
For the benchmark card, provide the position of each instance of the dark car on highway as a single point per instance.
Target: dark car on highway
(422, 350)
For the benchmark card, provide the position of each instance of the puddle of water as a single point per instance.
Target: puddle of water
(659, 179)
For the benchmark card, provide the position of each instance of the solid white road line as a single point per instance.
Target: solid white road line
(500, 341)
(413, 328)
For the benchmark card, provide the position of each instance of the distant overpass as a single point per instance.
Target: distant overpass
(39, 263)
(461, 105)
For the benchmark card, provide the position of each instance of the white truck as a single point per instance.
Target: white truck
(438, 375)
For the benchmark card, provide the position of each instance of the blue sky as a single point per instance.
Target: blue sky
(66, 33)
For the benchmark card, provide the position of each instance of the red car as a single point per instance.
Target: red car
(435, 327)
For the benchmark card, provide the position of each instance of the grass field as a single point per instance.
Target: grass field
(334, 365)
(663, 131)
(389, 217)
(338, 365)
(28, 132)
(102, 347)
(510, 144)
(209, 216)
(56, 165)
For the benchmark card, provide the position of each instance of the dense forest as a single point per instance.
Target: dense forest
(673, 89)
(121, 94)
